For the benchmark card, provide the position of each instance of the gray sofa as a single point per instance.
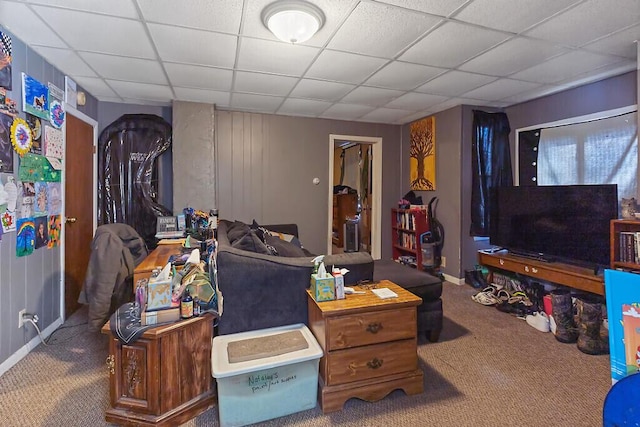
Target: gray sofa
(261, 290)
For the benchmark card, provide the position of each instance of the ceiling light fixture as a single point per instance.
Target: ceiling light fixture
(293, 21)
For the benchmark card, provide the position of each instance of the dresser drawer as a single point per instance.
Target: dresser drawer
(371, 361)
(371, 328)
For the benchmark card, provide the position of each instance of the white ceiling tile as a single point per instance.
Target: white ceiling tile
(317, 89)
(121, 8)
(412, 75)
(372, 96)
(416, 101)
(455, 83)
(344, 67)
(500, 89)
(177, 44)
(110, 99)
(27, 26)
(385, 39)
(623, 43)
(593, 75)
(141, 90)
(125, 68)
(304, 107)
(511, 15)
(210, 15)
(146, 102)
(274, 57)
(527, 95)
(266, 84)
(565, 66)
(416, 116)
(512, 56)
(335, 11)
(218, 98)
(346, 111)
(443, 47)
(95, 86)
(588, 21)
(81, 31)
(65, 60)
(435, 7)
(454, 102)
(195, 76)
(384, 115)
(263, 103)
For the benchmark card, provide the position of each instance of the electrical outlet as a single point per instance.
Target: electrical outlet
(21, 314)
(443, 263)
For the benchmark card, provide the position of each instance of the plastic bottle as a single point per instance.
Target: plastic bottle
(186, 305)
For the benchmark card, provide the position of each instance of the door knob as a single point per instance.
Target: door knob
(71, 220)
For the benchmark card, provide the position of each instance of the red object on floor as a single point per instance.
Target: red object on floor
(547, 304)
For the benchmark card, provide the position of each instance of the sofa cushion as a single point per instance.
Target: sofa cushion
(237, 230)
(284, 248)
(252, 243)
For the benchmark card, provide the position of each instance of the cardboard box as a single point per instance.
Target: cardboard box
(323, 289)
(339, 279)
(160, 316)
(268, 387)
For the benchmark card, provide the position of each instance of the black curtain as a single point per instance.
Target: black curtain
(528, 156)
(491, 164)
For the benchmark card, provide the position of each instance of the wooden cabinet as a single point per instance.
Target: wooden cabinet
(344, 206)
(407, 225)
(157, 258)
(625, 242)
(370, 346)
(164, 377)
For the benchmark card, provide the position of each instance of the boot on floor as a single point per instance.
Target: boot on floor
(590, 338)
(562, 309)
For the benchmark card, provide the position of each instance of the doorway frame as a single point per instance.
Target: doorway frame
(376, 202)
(94, 208)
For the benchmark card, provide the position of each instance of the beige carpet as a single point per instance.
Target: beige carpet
(488, 369)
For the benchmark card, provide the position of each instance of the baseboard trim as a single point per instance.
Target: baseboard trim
(26, 349)
(454, 280)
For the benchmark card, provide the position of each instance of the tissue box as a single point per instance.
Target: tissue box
(323, 289)
(158, 294)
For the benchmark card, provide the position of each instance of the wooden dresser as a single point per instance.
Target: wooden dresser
(370, 346)
(163, 378)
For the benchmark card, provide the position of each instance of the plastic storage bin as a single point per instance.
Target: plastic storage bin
(269, 387)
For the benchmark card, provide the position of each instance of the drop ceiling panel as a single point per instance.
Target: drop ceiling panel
(210, 15)
(121, 8)
(219, 98)
(416, 101)
(621, 43)
(305, 107)
(500, 89)
(346, 111)
(344, 67)
(318, 89)
(385, 115)
(435, 7)
(589, 21)
(26, 25)
(66, 60)
(274, 57)
(97, 87)
(372, 96)
(512, 56)
(412, 75)
(594, 75)
(124, 68)
(141, 90)
(90, 32)
(195, 76)
(565, 66)
(250, 102)
(511, 15)
(455, 83)
(267, 84)
(384, 39)
(452, 44)
(189, 46)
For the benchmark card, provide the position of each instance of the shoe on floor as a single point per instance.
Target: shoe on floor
(539, 320)
(552, 325)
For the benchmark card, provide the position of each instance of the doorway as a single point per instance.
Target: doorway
(363, 195)
(79, 195)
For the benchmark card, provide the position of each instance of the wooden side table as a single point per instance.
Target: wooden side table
(370, 346)
(163, 378)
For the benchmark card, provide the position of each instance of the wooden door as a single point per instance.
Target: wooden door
(78, 208)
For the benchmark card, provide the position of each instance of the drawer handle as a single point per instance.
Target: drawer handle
(111, 364)
(374, 327)
(375, 363)
(534, 270)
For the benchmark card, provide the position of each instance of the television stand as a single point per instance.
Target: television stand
(529, 255)
(556, 272)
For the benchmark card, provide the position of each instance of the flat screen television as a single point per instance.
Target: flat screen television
(567, 223)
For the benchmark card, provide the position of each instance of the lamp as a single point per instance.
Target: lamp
(293, 21)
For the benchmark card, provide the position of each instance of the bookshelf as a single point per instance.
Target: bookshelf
(406, 227)
(625, 244)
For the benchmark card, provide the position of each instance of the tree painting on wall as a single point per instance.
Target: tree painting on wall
(422, 152)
